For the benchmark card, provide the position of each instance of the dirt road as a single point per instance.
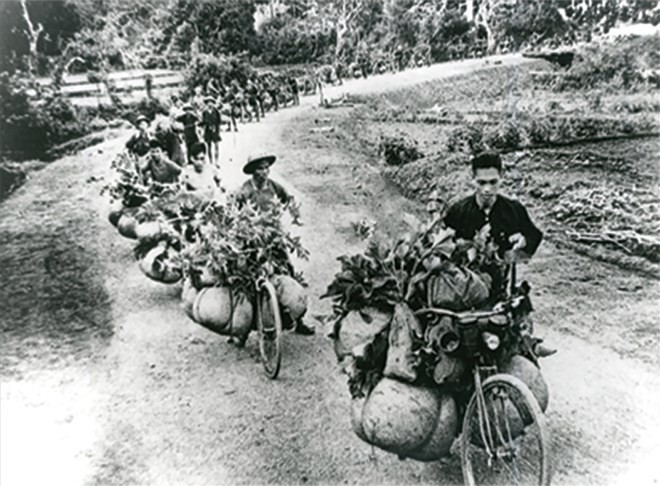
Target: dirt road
(169, 403)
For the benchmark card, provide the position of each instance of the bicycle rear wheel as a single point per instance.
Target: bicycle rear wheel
(505, 439)
(269, 328)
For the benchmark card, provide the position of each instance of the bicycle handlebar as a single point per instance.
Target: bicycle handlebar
(498, 309)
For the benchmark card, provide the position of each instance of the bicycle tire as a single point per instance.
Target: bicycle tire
(505, 433)
(269, 328)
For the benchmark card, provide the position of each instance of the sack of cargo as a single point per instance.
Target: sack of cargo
(291, 296)
(439, 443)
(530, 375)
(116, 210)
(148, 231)
(126, 226)
(408, 420)
(458, 288)
(402, 361)
(219, 310)
(156, 265)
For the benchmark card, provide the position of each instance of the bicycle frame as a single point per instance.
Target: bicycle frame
(486, 432)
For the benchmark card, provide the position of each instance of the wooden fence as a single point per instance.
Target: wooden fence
(130, 86)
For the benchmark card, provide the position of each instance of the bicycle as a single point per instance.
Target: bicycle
(504, 435)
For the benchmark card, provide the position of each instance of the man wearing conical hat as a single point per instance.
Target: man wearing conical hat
(139, 142)
(260, 190)
(264, 193)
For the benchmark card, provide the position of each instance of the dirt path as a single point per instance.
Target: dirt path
(171, 403)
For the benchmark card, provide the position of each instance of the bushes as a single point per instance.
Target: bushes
(29, 128)
(625, 65)
(620, 217)
(399, 150)
(444, 173)
(286, 40)
(527, 129)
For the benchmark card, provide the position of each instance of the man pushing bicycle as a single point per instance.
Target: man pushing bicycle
(488, 216)
(264, 193)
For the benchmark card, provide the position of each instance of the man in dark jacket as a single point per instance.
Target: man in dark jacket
(263, 193)
(211, 122)
(505, 220)
(190, 120)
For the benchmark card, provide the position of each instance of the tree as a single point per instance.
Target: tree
(30, 30)
(33, 34)
(340, 15)
(220, 27)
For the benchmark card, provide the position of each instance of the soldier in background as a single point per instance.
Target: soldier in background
(189, 119)
(229, 100)
(261, 94)
(252, 93)
(293, 86)
(211, 121)
(273, 89)
(138, 144)
(202, 177)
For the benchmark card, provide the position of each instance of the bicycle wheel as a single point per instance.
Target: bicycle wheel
(505, 439)
(269, 328)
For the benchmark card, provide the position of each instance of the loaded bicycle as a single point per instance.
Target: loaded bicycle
(232, 294)
(504, 436)
(429, 375)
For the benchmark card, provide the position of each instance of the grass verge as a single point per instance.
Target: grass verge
(54, 307)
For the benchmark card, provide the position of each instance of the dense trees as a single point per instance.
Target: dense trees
(106, 34)
(51, 25)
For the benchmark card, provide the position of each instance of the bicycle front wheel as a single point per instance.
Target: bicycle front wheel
(269, 328)
(505, 439)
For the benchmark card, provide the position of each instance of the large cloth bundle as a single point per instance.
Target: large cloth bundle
(126, 225)
(218, 309)
(409, 420)
(148, 231)
(291, 296)
(157, 265)
(116, 209)
(458, 288)
(530, 375)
